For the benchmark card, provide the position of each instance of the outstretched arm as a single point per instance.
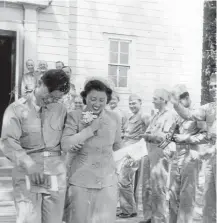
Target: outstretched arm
(10, 142)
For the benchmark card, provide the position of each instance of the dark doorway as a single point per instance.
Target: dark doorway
(7, 66)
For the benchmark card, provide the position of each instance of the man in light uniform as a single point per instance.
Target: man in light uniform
(29, 79)
(184, 170)
(69, 99)
(136, 127)
(67, 70)
(79, 105)
(59, 65)
(42, 67)
(206, 113)
(113, 104)
(31, 134)
(155, 191)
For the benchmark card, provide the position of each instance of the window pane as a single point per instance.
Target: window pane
(124, 47)
(113, 79)
(112, 70)
(122, 82)
(113, 57)
(123, 71)
(114, 46)
(123, 58)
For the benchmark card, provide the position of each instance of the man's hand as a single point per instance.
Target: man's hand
(129, 162)
(76, 148)
(140, 136)
(180, 137)
(36, 174)
(147, 137)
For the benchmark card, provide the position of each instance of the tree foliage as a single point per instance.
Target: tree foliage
(209, 48)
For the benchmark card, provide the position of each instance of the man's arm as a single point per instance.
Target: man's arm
(117, 142)
(191, 114)
(10, 142)
(23, 85)
(160, 136)
(71, 136)
(201, 136)
(146, 120)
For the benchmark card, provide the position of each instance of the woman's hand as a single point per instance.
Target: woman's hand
(96, 124)
(76, 148)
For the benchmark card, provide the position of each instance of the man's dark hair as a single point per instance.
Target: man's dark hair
(184, 95)
(98, 86)
(56, 80)
(60, 62)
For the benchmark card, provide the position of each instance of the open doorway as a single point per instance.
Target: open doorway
(7, 66)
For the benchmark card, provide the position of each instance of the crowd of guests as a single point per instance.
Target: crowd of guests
(54, 131)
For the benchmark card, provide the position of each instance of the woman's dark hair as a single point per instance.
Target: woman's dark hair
(56, 80)
(98, 86)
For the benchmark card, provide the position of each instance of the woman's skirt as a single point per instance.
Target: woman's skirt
(84, 205)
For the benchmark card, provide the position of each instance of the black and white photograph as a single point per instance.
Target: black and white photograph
(108, 111)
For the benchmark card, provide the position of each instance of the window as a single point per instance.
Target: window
(118, 66)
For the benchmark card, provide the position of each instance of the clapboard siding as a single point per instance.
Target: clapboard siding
(162, 47)
(53, 33)
(62, 19)
(6, 12)
(48, 41)
(60, 50)
(57, 10)
(53, 26)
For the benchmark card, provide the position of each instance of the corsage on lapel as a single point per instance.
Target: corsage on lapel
(88, 117)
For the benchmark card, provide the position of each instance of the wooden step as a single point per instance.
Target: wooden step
(5, 171)
(7, 208)
(7, 219)
(5, 182)
(5, 162)
(6, 194)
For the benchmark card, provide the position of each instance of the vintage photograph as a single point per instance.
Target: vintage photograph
(108, 111)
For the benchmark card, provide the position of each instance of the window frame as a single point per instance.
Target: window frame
(119, 64)
(131, 60)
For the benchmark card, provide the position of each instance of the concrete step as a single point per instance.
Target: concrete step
(5, 171)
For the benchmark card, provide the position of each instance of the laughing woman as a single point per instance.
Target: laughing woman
(91, 136)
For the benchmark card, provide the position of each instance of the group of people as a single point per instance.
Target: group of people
(30, 79)
(53, 133)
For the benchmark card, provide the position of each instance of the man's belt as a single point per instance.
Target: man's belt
(50, 153)
(46, 152)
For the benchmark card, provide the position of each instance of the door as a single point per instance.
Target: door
(6, 70)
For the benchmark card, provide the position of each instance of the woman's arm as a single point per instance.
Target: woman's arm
(71, 136)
